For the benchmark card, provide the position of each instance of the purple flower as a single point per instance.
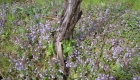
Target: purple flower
(134, 78)
(68, 64)
(47, 25)
(19, 65)
(116, 51)
(75, 65)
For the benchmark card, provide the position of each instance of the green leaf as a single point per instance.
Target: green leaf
(68, 49)
(49, 50)
(118, 66)
(89, 67)
(21, 30)
(103, 4)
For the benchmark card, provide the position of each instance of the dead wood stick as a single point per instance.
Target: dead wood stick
(70, 16)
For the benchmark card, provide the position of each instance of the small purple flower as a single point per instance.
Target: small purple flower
(47, 25)
(60, 71)
(19, 65)
(138, 77)
(134, 78)
(113, 41)
(106, 68)
(46, 37)
(133, 50)
(68, 64)
(41, 75)
(75, 65)
(116, 51)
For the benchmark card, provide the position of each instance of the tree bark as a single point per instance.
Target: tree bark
(70, 16)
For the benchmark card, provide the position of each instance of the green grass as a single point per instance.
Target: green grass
(134, 4)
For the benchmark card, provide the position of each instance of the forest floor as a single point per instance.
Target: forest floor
(105, 46)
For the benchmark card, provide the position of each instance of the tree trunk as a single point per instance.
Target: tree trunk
(70, 16)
